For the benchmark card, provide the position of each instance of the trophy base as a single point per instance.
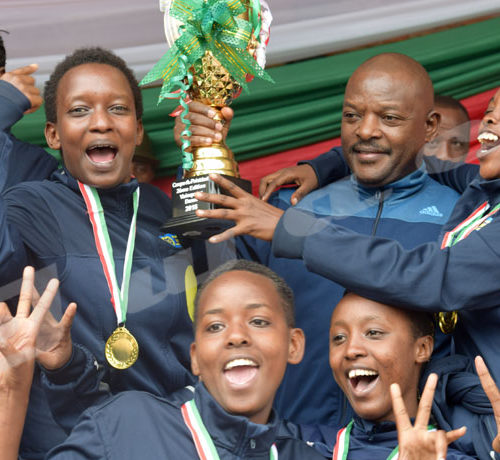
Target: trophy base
(185, 223)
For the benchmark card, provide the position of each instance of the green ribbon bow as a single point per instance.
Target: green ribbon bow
(208, 25)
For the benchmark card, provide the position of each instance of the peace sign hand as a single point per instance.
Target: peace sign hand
(416, 442)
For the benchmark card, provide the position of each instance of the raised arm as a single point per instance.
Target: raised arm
(20, 161)
(18, 337)
(424, 278)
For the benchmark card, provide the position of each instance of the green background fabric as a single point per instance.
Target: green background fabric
(304, 106)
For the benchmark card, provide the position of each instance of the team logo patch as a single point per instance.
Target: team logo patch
(171, 239)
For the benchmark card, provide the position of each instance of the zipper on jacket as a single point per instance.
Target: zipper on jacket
(379, 194)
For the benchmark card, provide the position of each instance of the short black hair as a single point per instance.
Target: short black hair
(82, 56)
(451, 103)
(3, 54)
(284, 291)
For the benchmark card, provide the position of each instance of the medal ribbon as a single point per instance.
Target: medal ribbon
(202, 439)
(119, 296)
(448, 320)
(342, 444)
(465, 228)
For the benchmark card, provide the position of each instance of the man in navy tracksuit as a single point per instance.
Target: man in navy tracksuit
(397, 201)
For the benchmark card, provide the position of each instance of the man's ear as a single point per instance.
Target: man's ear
(52, 136)
(296, 346)
(432, 125)
(140, 133)
(195, 369)
(423, 349)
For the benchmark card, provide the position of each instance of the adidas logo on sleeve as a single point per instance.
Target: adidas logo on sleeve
(431, 211)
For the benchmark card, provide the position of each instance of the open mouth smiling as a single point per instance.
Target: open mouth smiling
(362, 381)
(101, 153)
(240, 371)
(488, 141)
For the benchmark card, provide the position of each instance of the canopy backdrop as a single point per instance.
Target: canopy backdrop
(304, 106)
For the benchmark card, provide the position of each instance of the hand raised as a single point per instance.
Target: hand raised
(491, 390)
(252, 216)
(21, 78)
(18, 334)
(417, 442)
(301, 175)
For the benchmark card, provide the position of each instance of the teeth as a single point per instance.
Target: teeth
(361, 373)
(487, 137)
(101, 147)
(239, 362)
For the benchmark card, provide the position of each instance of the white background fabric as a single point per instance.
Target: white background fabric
(43, 31)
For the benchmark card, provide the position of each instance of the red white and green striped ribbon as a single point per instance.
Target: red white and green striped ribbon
(202, 439)
(119, 296)
(342, 443)
(471, 223)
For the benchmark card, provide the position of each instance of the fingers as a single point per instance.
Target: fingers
(26, 293)
(45, 301)
(452, 436)
(403, 422)
(224, 236)
(229, 186)
(205, 129)
(489, 385)
(496, 444)
(271, 182)
(441, 445)
(68, 317)
(303, 190)
(5, 315)
(21, 78)
(26, 70)
(425, 405)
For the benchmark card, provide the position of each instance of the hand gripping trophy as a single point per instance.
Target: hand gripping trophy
(216, 47)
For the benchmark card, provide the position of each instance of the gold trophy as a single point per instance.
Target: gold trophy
(213, 84)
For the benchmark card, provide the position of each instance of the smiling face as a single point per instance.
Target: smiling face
(387, 117)
(372, 346)
(243, 343)
(489, 136)
(452, 140)
(97, 129)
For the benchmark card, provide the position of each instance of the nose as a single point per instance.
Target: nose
(368, 127)
(100, 120)
(492, 117)
(237, 335)
(354, 348)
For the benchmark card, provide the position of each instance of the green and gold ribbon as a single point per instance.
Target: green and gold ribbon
(209, 25)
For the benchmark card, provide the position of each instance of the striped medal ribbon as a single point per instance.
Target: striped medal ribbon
(448, 320)
(466, 227)
(121, 348)
(202, 439)
(342, 443)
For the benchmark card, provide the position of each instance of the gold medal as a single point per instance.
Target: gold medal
(121, 349)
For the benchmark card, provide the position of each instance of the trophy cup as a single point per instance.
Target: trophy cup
(218, 76)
